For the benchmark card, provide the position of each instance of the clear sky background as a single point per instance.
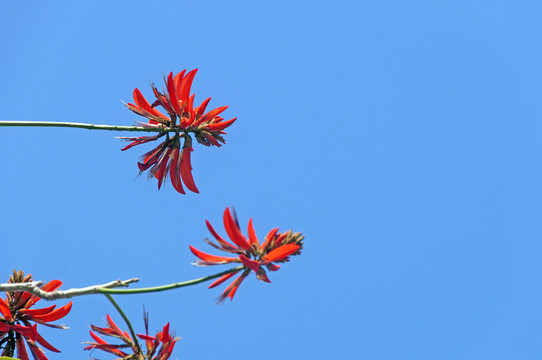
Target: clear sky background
(402, 138)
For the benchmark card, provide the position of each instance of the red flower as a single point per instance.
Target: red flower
(182, 119)
(253, 255)
(159, 346)
(16, 317)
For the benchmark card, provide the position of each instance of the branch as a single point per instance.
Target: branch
(90, 126)
(34, 289)
(170, 286)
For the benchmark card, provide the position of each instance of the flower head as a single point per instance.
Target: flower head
(16, 317)
(248, 252)
(158, 347)
(182, 118)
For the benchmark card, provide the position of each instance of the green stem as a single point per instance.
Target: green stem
(88, 126)
(170, 286)
(134, 336)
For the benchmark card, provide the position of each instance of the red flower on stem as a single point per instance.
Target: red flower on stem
(181, 119)
(159, 346)
(253, 255)
(16, 317)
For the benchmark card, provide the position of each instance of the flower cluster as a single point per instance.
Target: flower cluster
(250, 253)
(182, 118)
(16, 317)
(159, 346)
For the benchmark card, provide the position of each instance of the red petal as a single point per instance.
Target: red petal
(270, 236)
(21, 349)
(104, 345)
(151, 157)
(143, 104)
(219, 238)
(165, 334)
(141, 140)
(145, 337)
(186, 85)
(232, 289)
(211, 114)
(186, 170)
(161, 167)
(273, 267)
(27, 331)
(178, 79)
(96, 338)
(173, 94)
(175, 171)
(280, 239)
(211, 139)
(252, 234)
(233, 231)
(251, 264)
(37, 353)
(56, 314)
(104, 331)
(201, 109)
(114, 326)
(212, 258)
(52, 285)
(221, 125)
(281, 252)
(222, 279)
(37, 311)
(4, 309)
(262, 275)
(45, 344)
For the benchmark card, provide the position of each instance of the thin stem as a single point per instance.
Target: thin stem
(89, 126)
(134, 336)
(170, 286)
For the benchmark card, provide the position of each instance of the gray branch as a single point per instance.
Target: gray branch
(34, 289)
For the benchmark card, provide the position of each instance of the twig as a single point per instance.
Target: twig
(169, 286)
(126, 320)
(34, 289)
(88, 126)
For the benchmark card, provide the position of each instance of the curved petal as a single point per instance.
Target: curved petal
(4, 309)
(232, 288)
(219, 239)
(233, 231)
(175, 171)
(212, 258)
(186, 170)
(221, 125)
(252, 234)
(45, 344)
(172, 91)
(21, 349)
(55, 314)
(222, 279)
(37, 311)
(281, 252)
(249, 263)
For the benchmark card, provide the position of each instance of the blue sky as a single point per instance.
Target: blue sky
(403, 139)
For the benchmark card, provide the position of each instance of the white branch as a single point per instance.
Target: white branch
(34, 289)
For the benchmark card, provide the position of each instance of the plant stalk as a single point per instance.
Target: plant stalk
(169, 286)
(88, 126)
(132, 332)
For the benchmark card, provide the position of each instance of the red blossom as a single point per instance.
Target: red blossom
(16, 317)
(158, 347)
(248, 252)
(181, 119)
